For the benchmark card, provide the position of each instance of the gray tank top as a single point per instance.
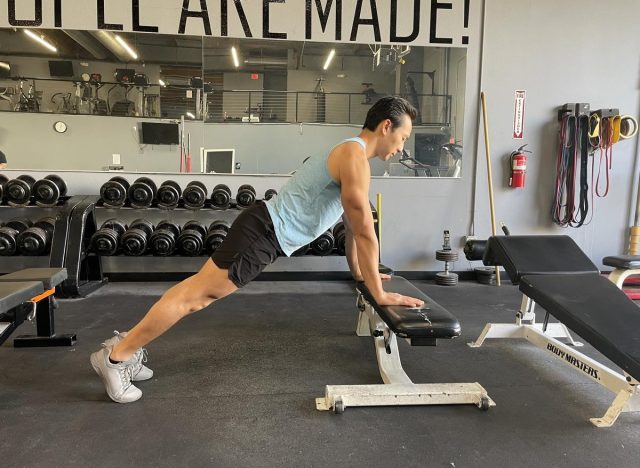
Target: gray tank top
(308, 204)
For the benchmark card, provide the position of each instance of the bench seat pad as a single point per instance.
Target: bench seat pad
(536, 255)
(12, 294)
(432, 321)
(594, 308)
(49, 277)
(625, 262)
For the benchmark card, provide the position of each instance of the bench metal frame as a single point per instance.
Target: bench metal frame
(545, 336)
(619, 275)
(398, 389)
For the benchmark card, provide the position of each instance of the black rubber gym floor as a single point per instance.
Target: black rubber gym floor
(234, 386)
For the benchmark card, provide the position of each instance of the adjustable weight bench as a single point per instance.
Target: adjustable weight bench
(553, 272)
(19, 301)
(420, 327)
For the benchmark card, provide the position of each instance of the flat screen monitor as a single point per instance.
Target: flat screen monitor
(5, 69)
(61, 68)
(153, 133)
(220, 161)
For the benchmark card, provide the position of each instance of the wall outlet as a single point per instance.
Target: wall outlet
(116, 159)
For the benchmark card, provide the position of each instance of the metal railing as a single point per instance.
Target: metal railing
(43, 95)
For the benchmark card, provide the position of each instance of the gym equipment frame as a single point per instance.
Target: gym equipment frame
(398, 389)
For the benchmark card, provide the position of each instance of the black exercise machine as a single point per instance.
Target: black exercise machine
(553, 272)
(420, 327)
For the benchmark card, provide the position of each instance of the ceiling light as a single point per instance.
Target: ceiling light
(127, 47)
(234, 54)
(266, 61)
(41, 40)
(329, 59)
(162, 83)
(189, 114)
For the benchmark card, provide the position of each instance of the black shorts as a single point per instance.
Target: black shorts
(250, 245)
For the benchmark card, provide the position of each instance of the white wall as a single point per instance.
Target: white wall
(558, 57)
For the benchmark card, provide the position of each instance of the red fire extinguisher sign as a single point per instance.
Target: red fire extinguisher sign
(518, 115)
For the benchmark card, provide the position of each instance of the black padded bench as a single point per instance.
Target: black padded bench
(40, 305)
(420, 327)
(553, 272)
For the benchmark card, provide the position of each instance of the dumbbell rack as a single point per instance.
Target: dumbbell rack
(148, 267)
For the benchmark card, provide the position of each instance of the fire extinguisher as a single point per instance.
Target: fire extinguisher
(518, 160)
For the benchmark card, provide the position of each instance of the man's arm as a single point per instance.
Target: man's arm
(354, 182)
(351, 250)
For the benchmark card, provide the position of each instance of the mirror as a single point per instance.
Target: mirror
(250, 106)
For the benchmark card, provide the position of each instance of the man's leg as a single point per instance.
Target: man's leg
(195, 293)
(191, 295)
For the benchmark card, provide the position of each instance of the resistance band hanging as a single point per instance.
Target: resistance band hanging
(583, 133)
(573, 147)
(604, 132)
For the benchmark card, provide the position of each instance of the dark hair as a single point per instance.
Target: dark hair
(389, 107)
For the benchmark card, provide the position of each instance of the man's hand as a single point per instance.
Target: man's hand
(390, 298)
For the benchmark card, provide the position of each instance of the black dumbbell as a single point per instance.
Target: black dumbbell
(49, 190)
(142, 192)
(18, 191)
(164, 238)
(3, 180)
(194, 195)
(37, 239)
(8, 236)
(246, 196)
(304, 250)
(270, 193)
(474, 249)
(169, 194)
(135, 240)
(323, 245)
(114, 192)
(221, 196)
(339, 236)
(216, 234)
(191, 239)
(106, 240)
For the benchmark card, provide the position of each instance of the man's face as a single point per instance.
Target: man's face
(394, 137)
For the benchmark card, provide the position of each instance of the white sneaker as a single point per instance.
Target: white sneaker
(116, 377)
(139, 371)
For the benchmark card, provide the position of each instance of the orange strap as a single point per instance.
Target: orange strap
(44, 295)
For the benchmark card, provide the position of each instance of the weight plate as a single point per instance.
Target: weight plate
(447, 255)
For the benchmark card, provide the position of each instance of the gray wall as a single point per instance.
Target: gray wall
(527, 45)
(532, 46)
(30, 142)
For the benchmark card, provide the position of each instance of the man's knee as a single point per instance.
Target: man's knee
(208, 285)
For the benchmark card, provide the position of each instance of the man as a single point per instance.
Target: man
(313, 200)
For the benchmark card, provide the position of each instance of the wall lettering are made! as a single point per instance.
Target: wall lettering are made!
(418, 22)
